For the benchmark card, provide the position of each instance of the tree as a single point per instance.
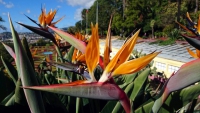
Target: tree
(152, 23)
(105, 9)
(196, 5)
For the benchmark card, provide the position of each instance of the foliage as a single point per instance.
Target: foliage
(131, 14)
(81, 81)
(5, 54)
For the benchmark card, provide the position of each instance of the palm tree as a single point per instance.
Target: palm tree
(179, 11)
(196, 5)
(1, 26)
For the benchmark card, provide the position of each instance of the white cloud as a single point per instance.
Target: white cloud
(28, 11)
(7, 5)
(58, 6)
(19, 27)
(77, 15)
(2, 2)
(82, 4)
(4, 13)
(60, 1)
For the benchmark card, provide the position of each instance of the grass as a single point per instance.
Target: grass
(164, 42)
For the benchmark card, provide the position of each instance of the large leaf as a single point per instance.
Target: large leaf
(188, 74)
(175, 100)
(6, 85)
(192, 41)
(108, 108)
(27, 74)
(65, 66)
(70, 54)
(88, 90)
(139, 82)
(12, 72)
(6, 99)
(95, 90)
(27, 50)
(10, 50)
(128, 90)
(19, 94)
(43, 32)
(80, 45)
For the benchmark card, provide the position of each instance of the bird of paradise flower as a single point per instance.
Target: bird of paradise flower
(105, 87)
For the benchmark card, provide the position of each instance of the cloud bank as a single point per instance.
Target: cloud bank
(81, 5)
(7, 5)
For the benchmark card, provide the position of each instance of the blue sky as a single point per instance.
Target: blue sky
(71, 9)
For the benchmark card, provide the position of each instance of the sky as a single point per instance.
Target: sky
(71, 9)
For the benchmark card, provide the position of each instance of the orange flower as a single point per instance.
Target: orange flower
(92, 52)
(120, 65)
(46, 19)
(195, 55)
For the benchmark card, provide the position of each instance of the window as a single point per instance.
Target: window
(173, 68)
(160, 66)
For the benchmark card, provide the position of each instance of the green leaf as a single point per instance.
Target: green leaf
(65, 66)
(6, 85)
(70, 54)
(80, 45)
(129, 78)
(139, 82)
(11, 101)
(5, 100)
(27, 74)
(188, 74)
(128, 90)
(10, 50)
(108, 108)
(27, 50)
(86, 90)
(78, 104)
(19, 94)
(12, 72)
(175, 100)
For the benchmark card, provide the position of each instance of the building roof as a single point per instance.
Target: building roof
(176, 52)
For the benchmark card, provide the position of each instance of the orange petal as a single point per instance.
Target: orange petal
(81, 58)
(192, 53)
(108, 46)
(198, 25)
(47, 59)
(92, 51)
(198, 53)
(74, 55)
(34, 53)
(188, 16)
(134, 65)
(53, 24)
(123, 54)
(78, 82)
(51, 16)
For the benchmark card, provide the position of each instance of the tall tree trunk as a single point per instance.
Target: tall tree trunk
(152, 30)
(124, 6)
(178, 12)
(196, 6)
